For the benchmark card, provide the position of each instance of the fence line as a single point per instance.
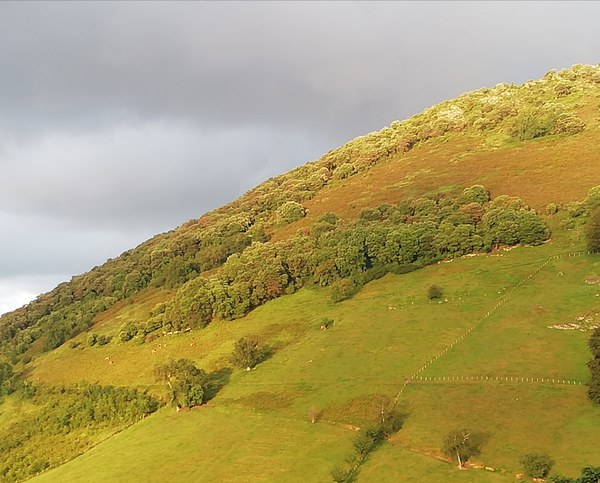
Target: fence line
(516, 379)
(479, 321)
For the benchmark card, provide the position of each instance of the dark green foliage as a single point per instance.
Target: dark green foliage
(343, 289)
(68, 422)
(594, 343)
(537, 465)
(589, 474)
(475, 194)
(6, 376)
(461, 444)
(366, 441)
(594, 366)
(102, 339)
(247, 353)
(592, 232)
(391, 422)
(185, 382)
(545, 120)
(552, 208)
(340, 475)
(291, 211)
(434, 292)
(128, 331)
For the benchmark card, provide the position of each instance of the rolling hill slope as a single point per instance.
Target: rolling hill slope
(489, 354)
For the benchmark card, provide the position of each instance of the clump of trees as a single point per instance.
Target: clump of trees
(68, 422)
(589, 474)
(366, 441)
(346, 255)
(592, 232)
(6, 378)
(537, 465)
(186, 383)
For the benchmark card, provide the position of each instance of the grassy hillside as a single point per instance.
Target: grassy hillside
(262, 416)
(491, 354)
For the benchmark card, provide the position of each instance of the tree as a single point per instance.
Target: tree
(592, 232)
(6, 374)
(594, 366)
(589, 474)
(475, 194)
(537, 465)
(247, 352)
(461, 444)
(186, 383)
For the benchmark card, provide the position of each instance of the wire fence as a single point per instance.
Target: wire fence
(417, 376)
(514, 379)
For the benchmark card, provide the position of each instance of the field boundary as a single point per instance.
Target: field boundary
(506, 297)
(514, 379)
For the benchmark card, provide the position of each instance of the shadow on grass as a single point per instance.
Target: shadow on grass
(216, 381)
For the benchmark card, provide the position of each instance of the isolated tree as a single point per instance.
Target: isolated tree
(592, 232)
(186, 383)
(461, 444)
(247, 352)
(537, 465)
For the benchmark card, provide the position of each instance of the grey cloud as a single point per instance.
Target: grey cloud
(153, 174)
(341, 66)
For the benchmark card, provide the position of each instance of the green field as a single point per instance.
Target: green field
(258, 427)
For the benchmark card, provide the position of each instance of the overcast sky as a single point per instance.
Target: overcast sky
(122, 120)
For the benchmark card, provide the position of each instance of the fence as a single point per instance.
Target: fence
(417, 375)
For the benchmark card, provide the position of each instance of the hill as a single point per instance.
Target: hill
(351, 242)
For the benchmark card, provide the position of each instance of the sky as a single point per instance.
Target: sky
(121, 120)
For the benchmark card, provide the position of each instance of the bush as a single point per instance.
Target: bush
(537, 465)
(552, 208)
(343, 289)
(103, 339)
(247, 353)
(291, 211)
(434, 292)
(592, 232)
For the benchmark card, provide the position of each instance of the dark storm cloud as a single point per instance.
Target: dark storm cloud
(122, 119)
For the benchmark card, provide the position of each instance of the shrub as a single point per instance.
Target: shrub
(537, 465)
(592, 232)
(103, 339)
(434, 292)
(291, 211)
(343, 289)
(344, 171)
(552, 208)
(247, 353)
